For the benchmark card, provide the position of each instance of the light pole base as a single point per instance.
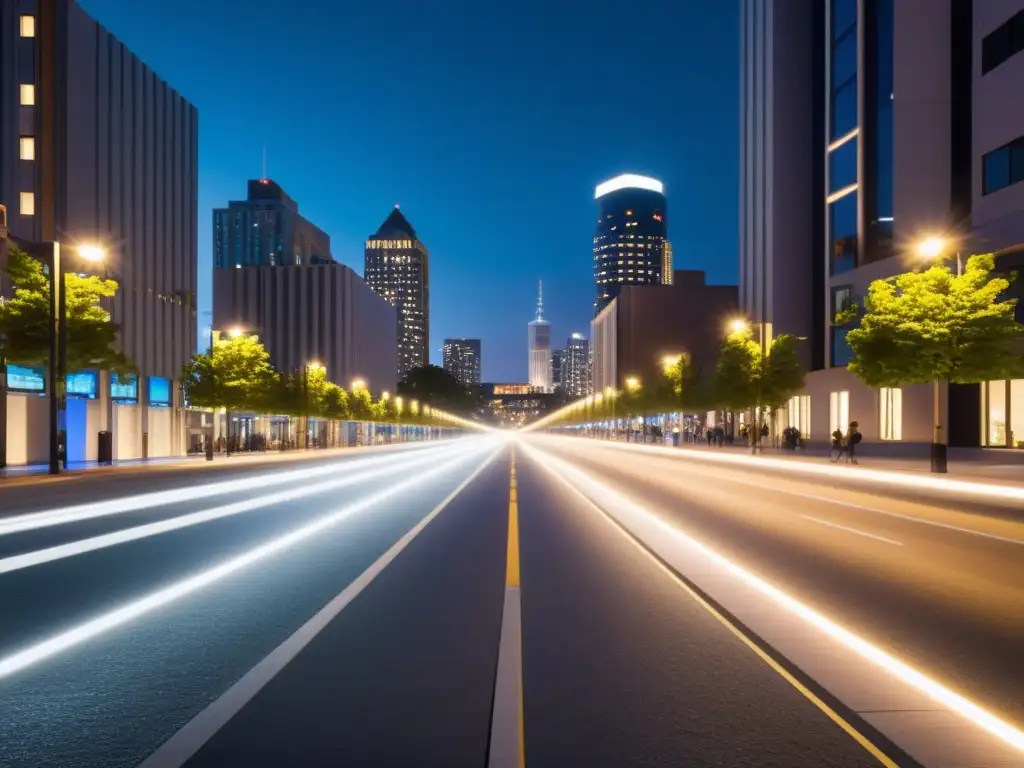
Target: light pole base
(938, 458)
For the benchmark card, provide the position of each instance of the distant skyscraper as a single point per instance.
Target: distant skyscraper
(577, 367)
(540, 347)
(396, 268)
(557, 370)
(632, 232)
(462, 360)
(266, 230)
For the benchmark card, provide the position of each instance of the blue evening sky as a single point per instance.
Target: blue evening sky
(489, 121)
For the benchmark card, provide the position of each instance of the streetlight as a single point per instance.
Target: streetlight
(668, 362)
(934, 249)
(739, 325)
(312, 365)
(632, 386)
(358, 384)
(398, 417)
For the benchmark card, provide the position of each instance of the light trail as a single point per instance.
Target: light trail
(856, 475)
(604, 496)
(108, 621)
(48, 518)
(82, 546)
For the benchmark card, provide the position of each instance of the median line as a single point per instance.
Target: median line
(507, 743)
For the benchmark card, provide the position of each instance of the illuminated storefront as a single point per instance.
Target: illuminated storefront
(1002, 414)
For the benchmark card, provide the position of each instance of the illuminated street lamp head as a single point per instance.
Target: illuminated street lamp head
(398, 404)
(598, 398)
(931, 247)
(91, 252)
(668, 362)
(234, 333)
(358, 384)
(385, 395)
(738, 325)
(632, 383)
(314, 365)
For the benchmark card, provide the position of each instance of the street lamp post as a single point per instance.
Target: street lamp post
(936, 249)
(398, 417)
(632, 386)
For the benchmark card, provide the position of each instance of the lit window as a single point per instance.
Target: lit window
(28, 95)
(28, 148)
(838, 411)
(890, 414)
(28, 26)
(28, 204)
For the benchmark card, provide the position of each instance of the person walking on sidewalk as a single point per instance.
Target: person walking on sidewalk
(853, 437)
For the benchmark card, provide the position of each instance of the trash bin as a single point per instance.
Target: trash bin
(105, 450)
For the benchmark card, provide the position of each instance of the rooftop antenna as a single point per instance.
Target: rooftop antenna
(540, 299)
(264, 171)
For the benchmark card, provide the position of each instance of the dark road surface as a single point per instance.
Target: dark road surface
(352, 615)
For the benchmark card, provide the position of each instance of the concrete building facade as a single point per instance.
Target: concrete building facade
(867, 126)
(323, 313)
(96, 149)
(644, 324)
(538, 342)
(576, 382)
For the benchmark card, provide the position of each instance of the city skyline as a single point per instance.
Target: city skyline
(349, 164)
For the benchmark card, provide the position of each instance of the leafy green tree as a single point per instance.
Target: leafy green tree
(691, 391)
(436, 387)
(746, 379)
(236, 375)
(335, 402)
(360, 405)
(25, 318)
(934, 326)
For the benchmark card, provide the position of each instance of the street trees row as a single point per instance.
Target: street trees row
(236, 374)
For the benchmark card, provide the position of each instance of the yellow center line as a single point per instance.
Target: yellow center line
(512, 561)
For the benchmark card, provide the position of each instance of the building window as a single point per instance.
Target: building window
(28, 26)
(800, 414)
(838, 411)
(28, 148)
(842, 225)
(28, 95)
(1002, 43)
(28, 204)
(890, 414)
(1004, 166)
(842, 166)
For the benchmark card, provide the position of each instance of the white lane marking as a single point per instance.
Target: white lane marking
(875, 510)
(47, 518)
(82, 546)
(508, 687)
(598, 492)
(852, 530)
(180, 748)
(133, 610)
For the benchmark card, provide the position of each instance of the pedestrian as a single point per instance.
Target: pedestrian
(853, 437)
(711, 436)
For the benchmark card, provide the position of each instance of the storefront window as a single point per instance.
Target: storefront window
(1017, 413)
(996, 416)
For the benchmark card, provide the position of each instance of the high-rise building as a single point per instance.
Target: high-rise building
(462, 360)
(396, 268)
(577, 367)
(644, 324)
(631, 235)
(313, 312)
(96, 149)
(558, 370)
(539, 345)
(865, 127)
(266, 230)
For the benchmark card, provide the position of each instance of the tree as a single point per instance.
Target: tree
(360, 404)
(747, 379)
(691, 392)
(335, 402)
(933, 326)
(25, 318)
(236, 374)
(433, 385)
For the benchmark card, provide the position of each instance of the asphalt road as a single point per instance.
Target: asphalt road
(126, 620)
(935, 579)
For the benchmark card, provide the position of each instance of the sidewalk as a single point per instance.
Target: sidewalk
(34, 474)
(1004, 465)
